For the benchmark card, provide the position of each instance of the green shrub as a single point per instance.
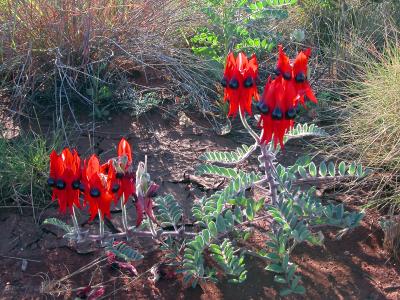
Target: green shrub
(238, 25)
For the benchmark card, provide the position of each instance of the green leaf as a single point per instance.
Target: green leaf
(312, 169)
(360, 172)
(279, 279)
(299, 290)
(285, 292)
(221, 224)
(168, 211)
(123, 251)
(352, 169)
(342, 168)
(274, 268)
(302, 172)
(213, 228)
(238, 215)
(331, 169)
(229, 218)
(249, 211)
(273, 256)
(323, 169)
(58, 223)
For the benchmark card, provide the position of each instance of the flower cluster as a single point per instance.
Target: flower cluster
(239, 82)
(100, 185)
(282, 95)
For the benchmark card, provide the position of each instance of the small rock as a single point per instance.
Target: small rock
(346, 253)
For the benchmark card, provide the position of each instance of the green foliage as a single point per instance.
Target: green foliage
(24, 162)
(304, 168)
(232, 157)
(237, 25)
(169, 212)
(123, 251)
(295, 213)
(208, 208)
(58, 223)
(299, 131)
(232, 264)
(193, 264)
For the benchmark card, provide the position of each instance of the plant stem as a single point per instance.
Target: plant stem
(143, 234)
(247, 126)
(267, 158)
(152, 230)
(101, 225)
(124, 214)
(76, 224)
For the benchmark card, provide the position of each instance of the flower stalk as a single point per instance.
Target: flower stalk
(76, 224)
(266, 158)
(124, 214)
(101, 225)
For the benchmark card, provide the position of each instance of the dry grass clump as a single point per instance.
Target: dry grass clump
(72, 51)
(371, 121)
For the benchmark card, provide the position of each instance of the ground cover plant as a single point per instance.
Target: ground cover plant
(213, 248)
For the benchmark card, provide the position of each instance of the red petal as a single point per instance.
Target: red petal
(125, 149)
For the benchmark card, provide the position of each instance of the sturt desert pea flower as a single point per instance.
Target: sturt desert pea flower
(65, 176)
(300, 72)
(283, 67)
(239, 82)
(145, 191)
(144, 203)
(96, 188)
(120, 174)
(279, 103)
(278, 109)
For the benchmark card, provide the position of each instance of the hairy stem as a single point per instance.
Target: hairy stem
(76, 224)
(124, 214)
(247, 126)
(101, 225)
(143, 234)
(267, 159)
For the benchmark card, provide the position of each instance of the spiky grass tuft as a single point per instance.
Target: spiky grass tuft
(24, 163)
(371, 121)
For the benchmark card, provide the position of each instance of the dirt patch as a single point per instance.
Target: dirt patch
(354, 268)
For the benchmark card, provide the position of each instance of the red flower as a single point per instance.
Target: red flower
(120, 172)
(145, 204)
(278, 109)
(283, 67)
(279, 102)
(96, 188)
(239, 82)
(300, 71)
(65, 175)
